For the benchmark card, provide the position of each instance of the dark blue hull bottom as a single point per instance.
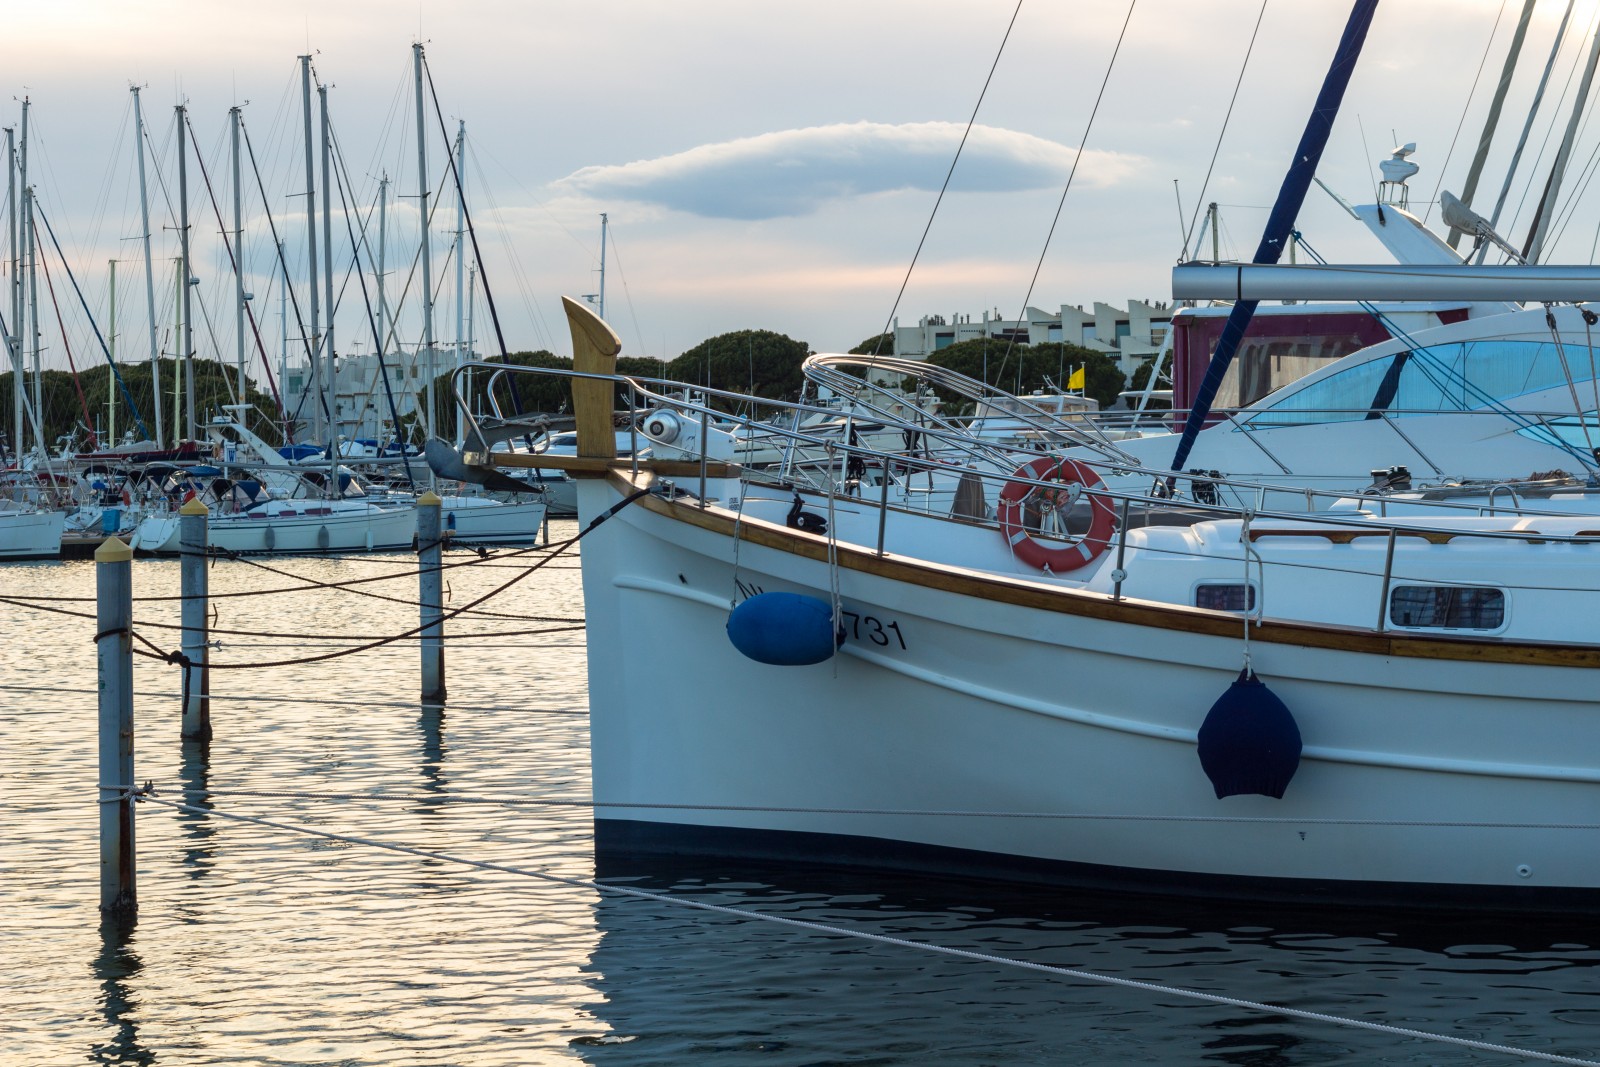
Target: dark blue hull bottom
(626, 847)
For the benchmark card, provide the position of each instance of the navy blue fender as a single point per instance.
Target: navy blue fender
(1249, 742)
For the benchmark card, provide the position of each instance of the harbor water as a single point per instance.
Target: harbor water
(262, 944)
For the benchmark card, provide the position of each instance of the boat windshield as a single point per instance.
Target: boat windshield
(1462, 376)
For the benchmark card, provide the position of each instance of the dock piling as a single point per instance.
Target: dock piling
(114, 654)
(192, 540)
(430, 555)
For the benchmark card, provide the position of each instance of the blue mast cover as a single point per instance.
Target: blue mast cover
(1284, 212)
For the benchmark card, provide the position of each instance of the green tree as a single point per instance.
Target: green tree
(1141, 375)
(1018, 368)
(877, 345)
(755, 361)
(63, 409)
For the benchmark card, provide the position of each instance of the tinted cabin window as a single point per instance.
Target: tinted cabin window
(1447, 607)
(1460, 376)
(1220, 597)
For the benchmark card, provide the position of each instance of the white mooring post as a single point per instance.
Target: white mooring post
(114, 652)
(430, 552)
(196, 603)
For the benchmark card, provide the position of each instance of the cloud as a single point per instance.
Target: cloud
(793, 172)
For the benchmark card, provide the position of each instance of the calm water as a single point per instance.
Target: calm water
(259, 946)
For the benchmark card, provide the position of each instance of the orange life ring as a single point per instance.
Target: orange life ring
(1067, 557)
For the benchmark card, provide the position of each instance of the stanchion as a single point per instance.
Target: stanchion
(430, 555)
(114, 653)
(192, 540)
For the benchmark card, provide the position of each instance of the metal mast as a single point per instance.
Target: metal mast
(383, 295)
(315, 370)
(238, 251)
(188, 276)
(603, 221)
(461, 233)
(461, 263)
(327, 280)
(111, 353)
(1470, 189)
(31, 252)
(149, 270)
(1547, 203)
(427, 267)
(283, 345)
(14, 341)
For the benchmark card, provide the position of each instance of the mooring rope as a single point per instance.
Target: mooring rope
(882, 939)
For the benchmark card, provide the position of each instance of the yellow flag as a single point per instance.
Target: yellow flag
(1076, 381)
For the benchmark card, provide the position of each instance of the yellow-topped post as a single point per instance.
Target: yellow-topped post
(113, 572)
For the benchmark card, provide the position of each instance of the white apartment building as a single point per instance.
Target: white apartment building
(1130, 335)
(360, 401)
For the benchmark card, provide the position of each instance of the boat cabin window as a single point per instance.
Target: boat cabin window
(1447, 607)
(1426, 381)
(1221, 596)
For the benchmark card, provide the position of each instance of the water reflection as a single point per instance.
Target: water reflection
(194, 771)
(673, 985)
(114, 967)
(430, 724)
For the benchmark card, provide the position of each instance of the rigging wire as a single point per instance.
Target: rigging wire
(971, 121)
(1215, 151)
(233, 264)
(1464, 109)
(1061, 204)
(1555, 119)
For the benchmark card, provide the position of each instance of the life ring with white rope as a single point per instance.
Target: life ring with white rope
(1074, 478)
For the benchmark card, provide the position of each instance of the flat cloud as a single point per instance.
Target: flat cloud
(794, 172)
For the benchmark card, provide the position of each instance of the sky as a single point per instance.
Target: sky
(762, 165)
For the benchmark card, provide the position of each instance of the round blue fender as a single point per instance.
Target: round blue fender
(783, 629)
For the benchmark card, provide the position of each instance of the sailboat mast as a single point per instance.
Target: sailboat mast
(603, 221)
(472, 329)
(283, 344)
(149, 270)
(1470, 188)
(177, 331)
(1280, 223)
(1547, 203)
(14, 340)
(461, 264)
(111, 352)
(238, 251)
(188, 276)
(383, 293)
(327, 280)
(315, 370)
(427, 267)
(33, 315)
(31, 253)
(461, 233)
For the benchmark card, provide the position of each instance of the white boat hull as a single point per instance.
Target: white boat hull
(477, 520)
(984, 722)
(310, 530)
(30, 534)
